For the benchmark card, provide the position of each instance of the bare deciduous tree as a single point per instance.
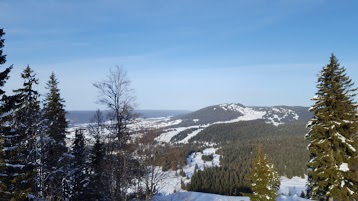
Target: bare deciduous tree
(117, 95)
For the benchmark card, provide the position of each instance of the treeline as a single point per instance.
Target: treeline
(246, 130)
(219, 180)
(288, 154)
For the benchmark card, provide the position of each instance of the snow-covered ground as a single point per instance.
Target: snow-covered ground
(170, 190)
(293, 186)
(195, 196)
(171, 183)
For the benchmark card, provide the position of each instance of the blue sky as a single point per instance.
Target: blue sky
(182, 54)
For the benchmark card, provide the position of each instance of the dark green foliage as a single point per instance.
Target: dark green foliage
(79, 169)
(55, 148)
(96, 187)
(303, 195)
(4, 75)
(290, 159)
(219, 180)
(5, 107)
(182, 173)
(207, 157)
(182, 135)
(263, 179)
(236, 157)
(332, 136)
(19, 142)
(247, 130)
(243, 137)
(182, 185)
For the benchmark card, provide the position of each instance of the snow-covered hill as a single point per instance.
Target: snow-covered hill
(226, 112)
(188, 125)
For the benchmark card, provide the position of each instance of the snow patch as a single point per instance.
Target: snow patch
(196, 196)
(194, 133)
(344, 167)
(293, 187)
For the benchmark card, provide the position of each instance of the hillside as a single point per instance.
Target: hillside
(238, 129)
(226, 112)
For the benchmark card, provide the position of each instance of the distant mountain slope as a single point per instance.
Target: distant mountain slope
(80, 117)
(226, 112)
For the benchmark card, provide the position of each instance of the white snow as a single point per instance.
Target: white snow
(248, 114)
(166, 137)
(194, 133)
(14, 165)
(292, 186)
(196, 196)
(281, 113)
(171, 183)
(292, 198)
(344, 167)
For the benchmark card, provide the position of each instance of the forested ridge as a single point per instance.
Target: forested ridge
(284, 145)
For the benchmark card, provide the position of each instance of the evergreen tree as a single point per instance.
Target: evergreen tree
(263, 179)
(4, 75)
(79, 176)
(96, 185)
(55, 147)
(4, 109)
(332, 129)
(19, 143)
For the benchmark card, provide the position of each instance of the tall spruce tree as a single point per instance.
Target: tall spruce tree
(55, 148)
(4, 75)
(333, 149)
(96, 185)
(79, 176)
(263, 179)
(19, 143)
(4, 109)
